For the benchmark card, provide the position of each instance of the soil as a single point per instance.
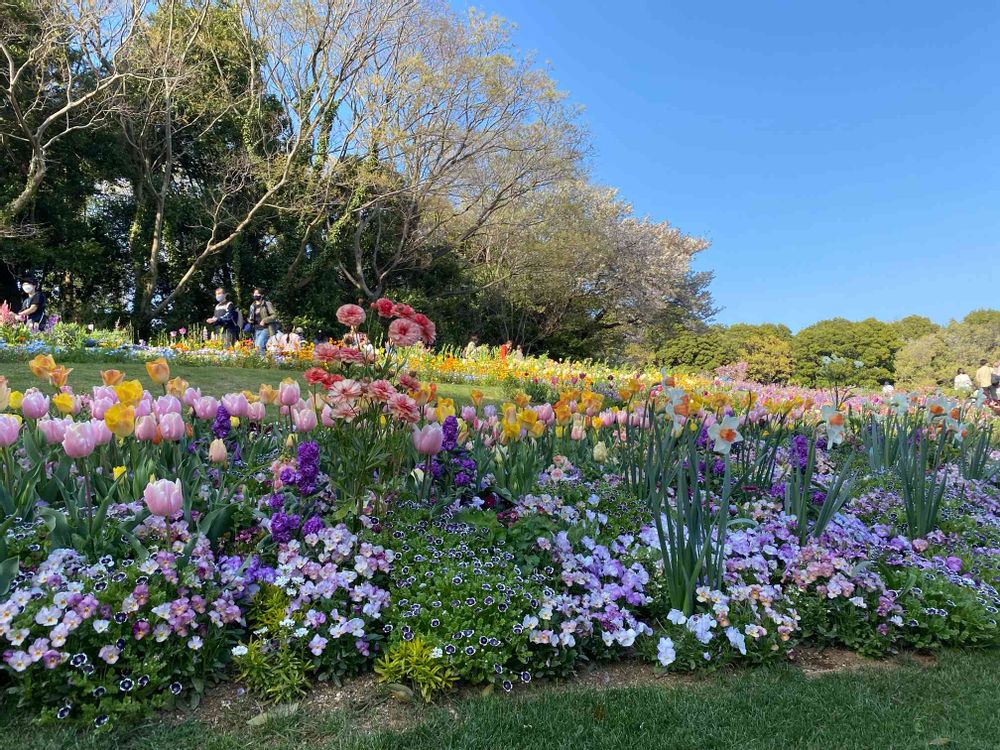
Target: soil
(372, 707)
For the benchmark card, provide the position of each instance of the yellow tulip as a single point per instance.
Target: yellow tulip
(4, 393)
(129, 392)
(112, 377)
(14, 402)
(158, 370)
(268, 394)
(42, 365)
(234, 421)
(177, 386)
(445, 407)
(537, 429)
(522, 399)
(64, 403)
(117, 472)
(120, 419)
(477, 397)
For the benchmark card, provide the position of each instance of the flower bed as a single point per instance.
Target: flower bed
(154, 541)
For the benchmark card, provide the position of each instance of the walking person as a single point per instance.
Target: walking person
(226, 318)
(984, 380)
(33, 308)
(263, 320)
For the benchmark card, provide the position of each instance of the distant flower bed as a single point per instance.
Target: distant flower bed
(155, 540)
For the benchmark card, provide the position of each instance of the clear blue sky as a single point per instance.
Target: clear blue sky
(843, 158)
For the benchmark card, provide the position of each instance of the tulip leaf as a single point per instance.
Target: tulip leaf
(8, 571)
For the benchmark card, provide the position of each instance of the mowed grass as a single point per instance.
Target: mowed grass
(952, 703)
(213, 380)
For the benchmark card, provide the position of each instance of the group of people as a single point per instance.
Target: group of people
(986, 379)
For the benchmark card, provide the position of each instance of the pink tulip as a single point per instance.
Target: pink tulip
(577, 432)
(430, 413)
(236, 404)
(166, 405)
(145, 428)
(304, 420)
(102, 435)
(428, 439)
(217, 452)
(350, 315)
(288, 393)
(256, 411)
(327, 417)
(79, 441)
(163, 497)
(545, 413)
(191, 395)
(104, 391)
(469, 414)
(100, 405)
(10, 427)
(144, 407)
(54, 430)
(206, 407)
(171, 426)
(35, 405)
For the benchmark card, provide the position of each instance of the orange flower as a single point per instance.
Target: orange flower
(158, 370)
(112, 377)
(59, 375)
(42, 365)
(176, 387)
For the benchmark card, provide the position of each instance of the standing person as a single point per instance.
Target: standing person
(472, 346)
(263, 319)
(225, 318)
(984, 379)
(963, 382)
(33, 307)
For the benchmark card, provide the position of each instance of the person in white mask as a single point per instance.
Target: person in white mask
(225, 318)
(33, 307)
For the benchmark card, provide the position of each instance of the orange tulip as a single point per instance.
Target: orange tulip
(42, 365)
(59, 375)
(158, 370)
(176, 387)
(112, 377)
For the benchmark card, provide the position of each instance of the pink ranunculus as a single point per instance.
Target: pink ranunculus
(54, 430)
(428, 332)
(304, 420)
(381, 390)
(171, 427)
(79, 440)
(384, 307)
(289, 393)
(256, 411)
(350, 315)
(346, 390)
(102, 435)
(403, 408)
(163, 497)
(236, 404)
(35, 404)
(10, 428)
(206, 407)
(404, 332)
(324, 352)
(191, 395)
(166, 405)
(428, 439)
(145, 428)
(344, 410)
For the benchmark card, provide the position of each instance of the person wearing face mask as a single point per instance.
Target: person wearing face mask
(262, 319)
(33, 308)
(225, 318)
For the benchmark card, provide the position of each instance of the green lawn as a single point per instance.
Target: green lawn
(906, 704)
(211, 379)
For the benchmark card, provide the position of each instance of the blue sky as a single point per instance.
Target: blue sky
(843, 158)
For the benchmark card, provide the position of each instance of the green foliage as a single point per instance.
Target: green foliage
(933, 359)
(870, 342)
(922, 484)
(800, 487)
(417, 663)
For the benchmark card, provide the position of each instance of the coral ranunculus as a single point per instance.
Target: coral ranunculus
(383, 307)
(158, 370)
(350, 315)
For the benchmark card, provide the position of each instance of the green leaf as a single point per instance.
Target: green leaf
(8, 570)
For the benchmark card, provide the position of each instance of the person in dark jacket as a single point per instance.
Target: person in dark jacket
(262, 319)
(225, 318)
(33, 308)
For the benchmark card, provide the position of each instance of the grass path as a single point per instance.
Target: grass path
(213, 380)
(952, 703)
